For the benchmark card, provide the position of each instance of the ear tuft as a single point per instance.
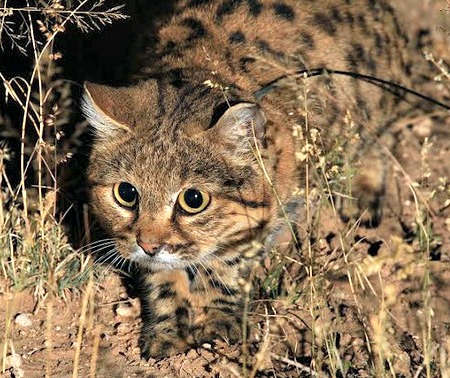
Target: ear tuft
(99, 108)
(240, 125)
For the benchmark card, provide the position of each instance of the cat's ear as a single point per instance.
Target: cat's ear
(240, 125)
(103, 107)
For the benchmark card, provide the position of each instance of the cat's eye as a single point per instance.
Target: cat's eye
(193, 201)
(125, 194)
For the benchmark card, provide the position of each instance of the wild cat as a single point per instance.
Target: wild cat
(195, 164)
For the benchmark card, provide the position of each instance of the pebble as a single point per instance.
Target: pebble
(23, 320)
(423, 128)
(124, 311)
(13, 361)
(123, 329)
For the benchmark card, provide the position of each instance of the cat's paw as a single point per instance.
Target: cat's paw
(162, 345)
(227, 328)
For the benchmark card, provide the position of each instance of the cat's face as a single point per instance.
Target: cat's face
(170, 193)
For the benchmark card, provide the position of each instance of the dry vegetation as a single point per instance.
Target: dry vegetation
(347, 302)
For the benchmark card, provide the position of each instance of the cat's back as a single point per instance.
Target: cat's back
(250, 42)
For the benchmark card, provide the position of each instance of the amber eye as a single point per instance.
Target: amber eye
(192, 200)
(126, 194)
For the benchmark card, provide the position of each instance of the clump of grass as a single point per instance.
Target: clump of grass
(35, 254)
(371, 288)
(33, 244)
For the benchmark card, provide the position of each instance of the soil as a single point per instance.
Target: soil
(385, 288)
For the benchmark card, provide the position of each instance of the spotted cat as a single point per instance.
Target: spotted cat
(196, 163)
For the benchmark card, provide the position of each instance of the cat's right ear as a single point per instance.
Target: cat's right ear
(240, 127)
(102, 108)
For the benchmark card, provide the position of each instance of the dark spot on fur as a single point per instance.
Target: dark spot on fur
(325, 23)
(169, 48)
(372, 4)
(265, 48)
(371, 64)
(198, 30)
(176, 78)
(255, 7)
(196, 3)
(237, 37)
(227, 7)
(336, 14)
(356, 56)
(361, 20)
(243, 62)
(378, 42)
(374, 248)
(348, 18)
(165, 291)
(284, 11)
(181, 312)
(382, 102)
(263, 45)
(307, 39)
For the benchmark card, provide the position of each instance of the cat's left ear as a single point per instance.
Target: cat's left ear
(240, 126)
(104, 108)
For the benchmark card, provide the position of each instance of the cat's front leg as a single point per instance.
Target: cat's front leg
(218, 305)
(166, 315)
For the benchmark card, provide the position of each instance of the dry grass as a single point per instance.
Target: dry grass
(35, 254)
(34, 251)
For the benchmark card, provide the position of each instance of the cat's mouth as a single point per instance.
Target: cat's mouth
(162, 259)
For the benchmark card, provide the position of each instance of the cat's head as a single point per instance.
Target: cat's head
(175, 178)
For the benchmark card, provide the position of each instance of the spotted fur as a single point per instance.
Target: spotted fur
(192, 120)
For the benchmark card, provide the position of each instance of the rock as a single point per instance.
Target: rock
(13, 361)
(124, 311)
(423, 128)
(23, 320)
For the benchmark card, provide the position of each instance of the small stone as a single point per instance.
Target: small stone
(423, 128)
(123, 295)
(124, 311)
(23, 320)
(13, 361)
(123, 329)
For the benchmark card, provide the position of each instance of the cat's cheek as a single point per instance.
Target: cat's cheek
(107, 210)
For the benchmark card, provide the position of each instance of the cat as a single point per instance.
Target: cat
(195, 166)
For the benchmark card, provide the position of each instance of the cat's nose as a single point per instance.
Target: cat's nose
(149, 248)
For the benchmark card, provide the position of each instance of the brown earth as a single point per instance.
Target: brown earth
(391, 286)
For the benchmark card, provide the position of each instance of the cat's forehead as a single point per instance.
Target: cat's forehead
(161, 160)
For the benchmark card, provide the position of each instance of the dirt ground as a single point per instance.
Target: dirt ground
(384, 289)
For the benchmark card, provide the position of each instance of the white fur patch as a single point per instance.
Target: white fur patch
(163, 260)
(104, 126)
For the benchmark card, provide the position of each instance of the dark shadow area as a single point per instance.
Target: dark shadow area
(111, 56)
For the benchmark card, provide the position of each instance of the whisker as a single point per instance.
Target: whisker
(222, 282)
(194, 267)
(95, 243)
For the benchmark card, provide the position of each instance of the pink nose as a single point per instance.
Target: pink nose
(149, 248)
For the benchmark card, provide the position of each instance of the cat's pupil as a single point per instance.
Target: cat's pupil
(127, 192)
(193, 198)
